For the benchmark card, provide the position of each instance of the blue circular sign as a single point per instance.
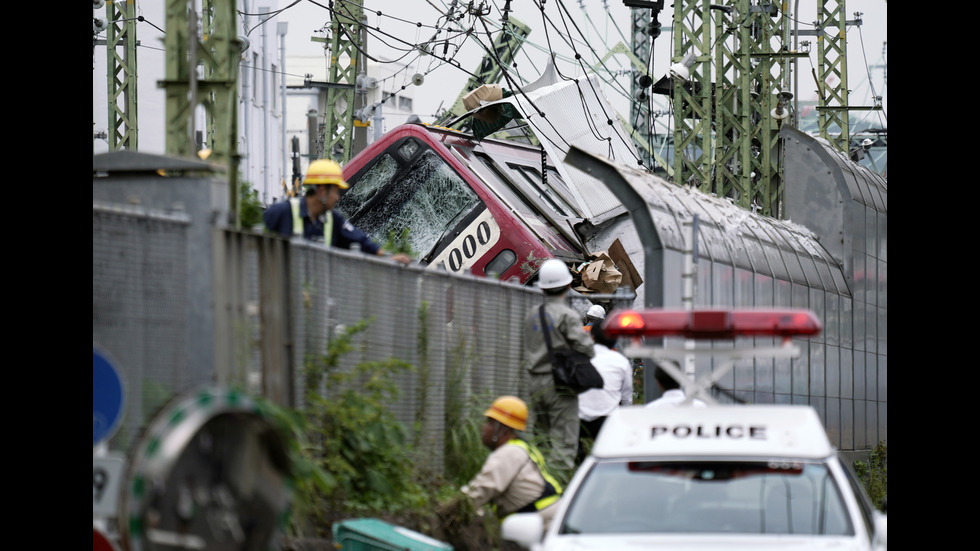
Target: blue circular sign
(107, 398)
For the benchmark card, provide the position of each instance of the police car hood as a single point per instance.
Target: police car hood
(764, 431)
(692, 542)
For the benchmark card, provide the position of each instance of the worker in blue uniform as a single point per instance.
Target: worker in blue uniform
(314, 216)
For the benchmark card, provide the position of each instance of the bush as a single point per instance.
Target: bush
(874, 474)
(250, 208)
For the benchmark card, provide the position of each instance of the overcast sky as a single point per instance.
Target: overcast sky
(604, 24)
(404, 23)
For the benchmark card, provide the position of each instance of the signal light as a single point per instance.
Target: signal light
(712, 323)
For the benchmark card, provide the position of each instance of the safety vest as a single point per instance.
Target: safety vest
(298, 222)
(552, 489)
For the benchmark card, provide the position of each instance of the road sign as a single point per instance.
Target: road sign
(204, 443)
(107, 397)
(107, 472)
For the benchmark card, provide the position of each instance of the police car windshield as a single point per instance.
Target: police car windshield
(708, 497)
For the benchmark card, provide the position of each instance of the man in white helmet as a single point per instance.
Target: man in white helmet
(556, 424)
(594, 316)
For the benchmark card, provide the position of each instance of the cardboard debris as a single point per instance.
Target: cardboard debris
(486, 92)
(623, 263)
(600, 274)
(481, 95)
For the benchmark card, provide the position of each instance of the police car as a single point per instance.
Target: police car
(709, 478)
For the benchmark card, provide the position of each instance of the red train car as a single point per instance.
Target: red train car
(491, 207)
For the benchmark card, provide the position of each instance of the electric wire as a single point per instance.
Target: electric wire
(871, 83)
(450, 16)
(565, 17)
(270, 15)
(411, 47)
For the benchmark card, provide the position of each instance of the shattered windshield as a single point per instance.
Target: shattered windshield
(708, 497)
(424, 199)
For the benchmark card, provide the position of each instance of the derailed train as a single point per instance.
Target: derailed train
(499, 208)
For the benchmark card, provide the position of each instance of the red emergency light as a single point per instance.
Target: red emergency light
(711, 323)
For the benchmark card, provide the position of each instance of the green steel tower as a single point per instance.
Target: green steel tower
(345, 46)
(219, 49)
(832, 111)
(731, 92)
(121, 37)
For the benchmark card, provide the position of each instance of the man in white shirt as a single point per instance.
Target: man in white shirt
(672, 395)
(596, 404)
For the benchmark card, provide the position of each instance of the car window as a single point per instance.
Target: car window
(707, 497)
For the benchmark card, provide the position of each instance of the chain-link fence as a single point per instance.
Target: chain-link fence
(277, 303)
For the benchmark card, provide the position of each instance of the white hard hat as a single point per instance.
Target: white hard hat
(553, 274)
(597, 312)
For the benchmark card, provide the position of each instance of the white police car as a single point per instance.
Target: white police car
(720, 477)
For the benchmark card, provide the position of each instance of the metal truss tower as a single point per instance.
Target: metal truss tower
(731, 92)
(728, 112)
(691, 97)
(832, 111)
(219, 50)
(640, 119)
(345, 46)
(121, 36)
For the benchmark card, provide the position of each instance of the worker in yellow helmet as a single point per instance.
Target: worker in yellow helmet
(314, 217)
(514, 477)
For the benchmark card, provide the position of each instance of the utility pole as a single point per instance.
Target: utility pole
(642, 132)
(646, 29)
(345, 37)
(690, 92)
(219, 50)
(832, 110)
(121, 36)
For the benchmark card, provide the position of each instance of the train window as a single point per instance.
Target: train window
(500, 263)
(426, 198)
(367, 186)
(543, 191)
(498, 183)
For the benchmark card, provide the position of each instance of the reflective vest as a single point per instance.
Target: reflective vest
(552, 489)
(298, 222)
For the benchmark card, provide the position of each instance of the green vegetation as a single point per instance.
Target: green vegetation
(874, 474)
(464, 451)
(250, 208)
(399, 243)
(352, 458)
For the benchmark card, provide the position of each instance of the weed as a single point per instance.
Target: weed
(399, 243)
(874, 474)
(464, 452)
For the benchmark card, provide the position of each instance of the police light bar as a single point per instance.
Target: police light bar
(712, 324)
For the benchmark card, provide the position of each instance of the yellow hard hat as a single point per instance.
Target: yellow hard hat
(325, 171)
(509, 410)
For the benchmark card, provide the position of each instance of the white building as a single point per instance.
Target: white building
(267, 94)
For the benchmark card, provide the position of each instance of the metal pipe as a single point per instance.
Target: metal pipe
(796, 64)
(266, 113)
(281, 29)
